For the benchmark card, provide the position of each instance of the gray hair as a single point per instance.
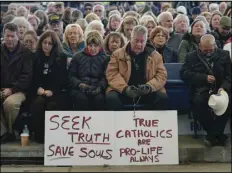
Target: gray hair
(34, 17)
(114, 12)
(211, 41)
(181, 16)
(22, 21)
(213, 6)
(51, 4)
(102, 6)
(22, 7)
(162, 15)
(139, 30)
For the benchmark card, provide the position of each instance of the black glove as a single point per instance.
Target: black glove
(144, 89)
(132, 91)
(94, 90)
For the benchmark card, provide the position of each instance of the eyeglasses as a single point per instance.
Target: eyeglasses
(97, 10)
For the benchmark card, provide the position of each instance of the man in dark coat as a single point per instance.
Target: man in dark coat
(208, 70)
(16, 73)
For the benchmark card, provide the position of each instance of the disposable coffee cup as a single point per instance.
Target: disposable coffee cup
(24, 139)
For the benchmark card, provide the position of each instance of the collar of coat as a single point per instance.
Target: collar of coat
(18, 50)
(148, 52)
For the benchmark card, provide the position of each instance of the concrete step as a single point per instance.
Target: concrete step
(190, 150)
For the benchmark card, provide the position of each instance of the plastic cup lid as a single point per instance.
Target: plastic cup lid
(24, 134)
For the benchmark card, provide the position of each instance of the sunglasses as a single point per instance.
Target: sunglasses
(88, 9)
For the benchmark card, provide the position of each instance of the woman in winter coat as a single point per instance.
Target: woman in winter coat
(73, 40)
(190, 40)
(87, 74)
(50, 79)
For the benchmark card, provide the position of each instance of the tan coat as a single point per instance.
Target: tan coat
(119, 70)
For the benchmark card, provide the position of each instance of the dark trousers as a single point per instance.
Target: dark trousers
(153, 101)
(82, 101)
(212, 124)
(38, 108)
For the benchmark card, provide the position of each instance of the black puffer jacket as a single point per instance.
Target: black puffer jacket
(88, 69)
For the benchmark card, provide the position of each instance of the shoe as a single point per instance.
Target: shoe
(210, 141)
(8, 137)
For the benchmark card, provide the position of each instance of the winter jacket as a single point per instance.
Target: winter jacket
(194, 72)
(68, 51)
(188, 44)
(119, 70)
(88, 69)
(16, 72)
(56, 79)
(174, 41)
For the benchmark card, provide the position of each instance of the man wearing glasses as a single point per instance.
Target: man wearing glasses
(88, 8)
(223, 33)
(100, 11)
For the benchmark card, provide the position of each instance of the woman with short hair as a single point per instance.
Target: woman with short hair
(50, 78)
(87, 74)
(34, 21)
(149, 23)
(191, 40)
(30, 40)
(158, 38)
(112, 42)
(23, 25)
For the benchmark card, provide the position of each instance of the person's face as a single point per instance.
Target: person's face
(51, 8)
(94, 49)
(127, 29)
(222, 8)
(138, 43)
(114, 23)
(159, 40)
(88, 9)
(207, 49)
(73, 35)
(216, 21)
(12, 8)
(204, 8)
(22, 30)
(114, 43)
(10, 39)
(150, 26)
(198, 29)
(224, 31)
(34, 24)
(57, 27)
(59, 9)
(29, 42)
(168, 23)
(98, 11)
(181, 26)
(21, 12)
(47, 45)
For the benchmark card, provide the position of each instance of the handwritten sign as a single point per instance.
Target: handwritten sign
(113, 138)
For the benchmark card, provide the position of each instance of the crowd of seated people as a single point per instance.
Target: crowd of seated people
(102, 57)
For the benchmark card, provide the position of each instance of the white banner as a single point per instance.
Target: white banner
(112, 138)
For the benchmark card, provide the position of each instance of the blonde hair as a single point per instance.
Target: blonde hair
(67, 29)
(132, 14)
(94, 37)
(145, 20)
(91, 16)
